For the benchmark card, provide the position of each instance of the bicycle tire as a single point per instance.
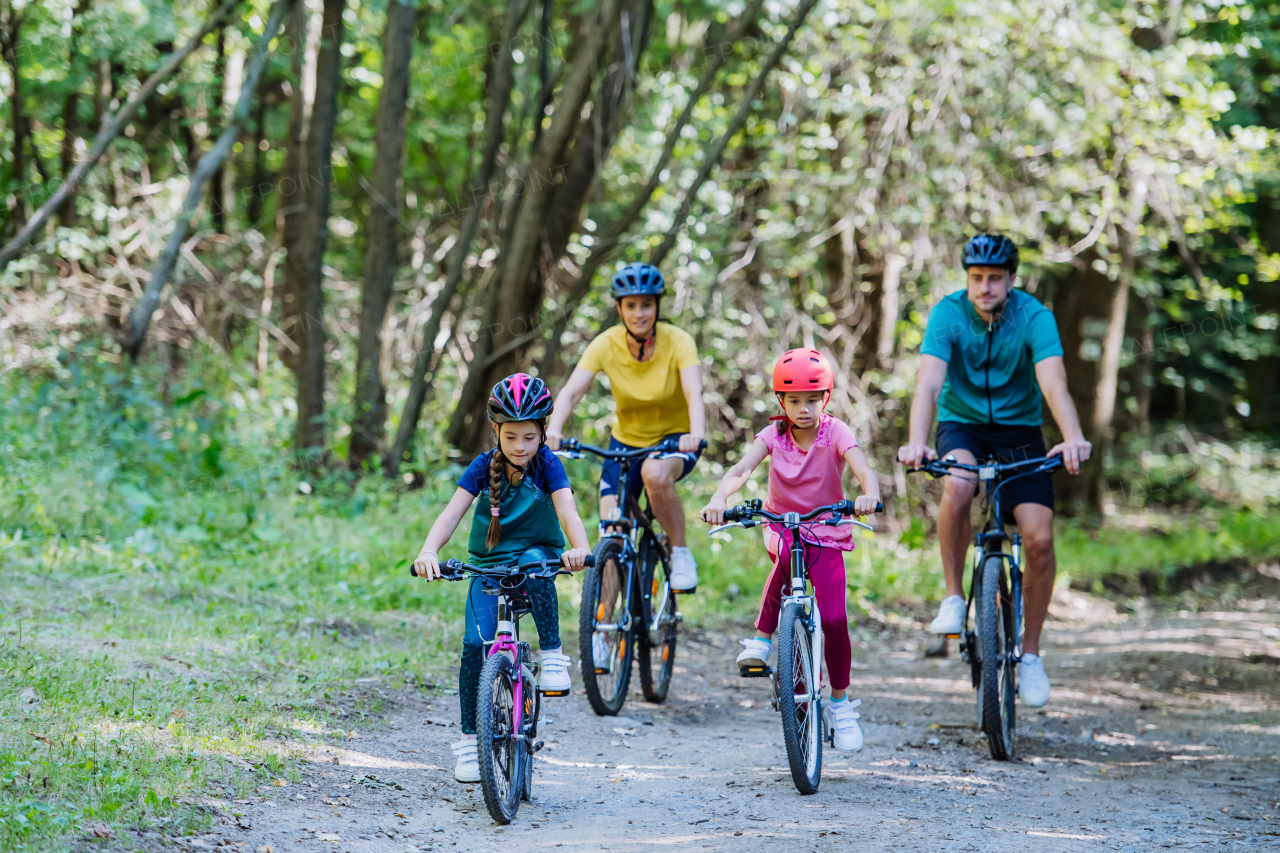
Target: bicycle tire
(802, 729)
(656, 684)
(500, 753)
(606, 682)
(995, 615)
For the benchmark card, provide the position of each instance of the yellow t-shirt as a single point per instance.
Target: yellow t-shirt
(648, 395)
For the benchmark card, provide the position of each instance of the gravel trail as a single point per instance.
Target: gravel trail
(1163, 732)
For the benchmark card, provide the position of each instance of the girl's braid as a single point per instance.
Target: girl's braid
(495, 500)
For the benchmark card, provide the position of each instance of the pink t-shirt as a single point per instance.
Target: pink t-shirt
(800, 480)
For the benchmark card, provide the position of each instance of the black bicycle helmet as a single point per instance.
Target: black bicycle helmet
(991, 250)
(638, 280)
(519, 397)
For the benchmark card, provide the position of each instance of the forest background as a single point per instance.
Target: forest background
(263, 259)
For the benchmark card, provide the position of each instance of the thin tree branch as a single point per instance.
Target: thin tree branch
(107, 135)
(135, 330)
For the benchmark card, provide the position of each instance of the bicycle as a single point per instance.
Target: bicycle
(797, 681)
(626, 562)
(994, 650)
(507, 706)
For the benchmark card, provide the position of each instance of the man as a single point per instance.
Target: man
(991, 356)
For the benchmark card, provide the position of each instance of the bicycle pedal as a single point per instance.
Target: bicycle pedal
(755, 671)
(952, 636)
(538, 746)
(554, 693)
(690, 591)
(602, 670)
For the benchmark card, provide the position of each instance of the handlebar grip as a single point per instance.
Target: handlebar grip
(589, 562)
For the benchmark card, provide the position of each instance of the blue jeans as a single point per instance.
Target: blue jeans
(482, 624)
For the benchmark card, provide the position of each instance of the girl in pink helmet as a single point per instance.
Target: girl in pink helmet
(808, 450)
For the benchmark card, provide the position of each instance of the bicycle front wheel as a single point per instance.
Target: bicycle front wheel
(604, 645)
(500, 751)
(657, 648)
(995, 630)
(799, 698)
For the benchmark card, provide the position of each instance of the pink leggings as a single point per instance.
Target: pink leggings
(826, 573)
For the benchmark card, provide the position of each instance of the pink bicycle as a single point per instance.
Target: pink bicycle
(508, 703)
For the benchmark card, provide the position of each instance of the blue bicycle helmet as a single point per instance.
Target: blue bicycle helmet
(991, 250)
(638, 280)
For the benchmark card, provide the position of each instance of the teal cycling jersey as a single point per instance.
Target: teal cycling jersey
(991, 377)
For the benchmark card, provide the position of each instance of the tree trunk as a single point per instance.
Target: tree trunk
(11, 32)
(304, 263)
(218, 186)
(370, 405)
(500, 83)
(1104, 401)
(135, 330)
(519, 290)
(107, 134)
(1262, 374)
(889, 298)
(288, 186)
(71, 112)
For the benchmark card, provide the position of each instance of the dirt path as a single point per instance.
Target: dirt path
(1163, 731)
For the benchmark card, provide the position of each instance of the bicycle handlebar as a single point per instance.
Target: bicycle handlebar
(456, 570)
(573, 449)
(989, 470)
(752, 510)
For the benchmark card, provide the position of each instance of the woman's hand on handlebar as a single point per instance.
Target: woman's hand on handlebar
(575, 558)
(554, 437)
(713, 512)
(690, 442)
(427, 565)
(866, 504)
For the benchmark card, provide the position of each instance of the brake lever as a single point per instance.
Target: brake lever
(568, 454)
(849, 521)
(745, 525)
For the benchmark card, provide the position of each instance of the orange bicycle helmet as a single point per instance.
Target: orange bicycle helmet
(802, 370)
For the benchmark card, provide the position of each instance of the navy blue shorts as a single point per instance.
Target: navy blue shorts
(611, 471)
(1007, 443)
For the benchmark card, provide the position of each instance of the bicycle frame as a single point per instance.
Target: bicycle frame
(799, 596)
(633, 529)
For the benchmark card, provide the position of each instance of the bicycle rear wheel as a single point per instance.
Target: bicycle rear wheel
(501, 753)
(995, 629)
(606, 654)
(799, 700)
(656, 650)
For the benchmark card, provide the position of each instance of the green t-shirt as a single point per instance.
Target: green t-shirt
(991, 377)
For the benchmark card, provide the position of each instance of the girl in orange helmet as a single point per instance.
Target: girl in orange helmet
(808, 450)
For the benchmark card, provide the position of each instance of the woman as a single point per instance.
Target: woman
(656, 381)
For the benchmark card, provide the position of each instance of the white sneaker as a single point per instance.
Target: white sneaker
(842, 718)
(684, 571)
(1033, 683)
(756, 652)
(601, 654)
(950, 619)
(553, 674)
(468, 767)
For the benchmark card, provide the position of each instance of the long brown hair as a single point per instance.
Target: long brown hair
(496, 472)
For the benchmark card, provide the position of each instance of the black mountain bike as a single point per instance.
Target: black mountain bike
(797, 682)
(993, 649)
(628, 606)
(508, 702)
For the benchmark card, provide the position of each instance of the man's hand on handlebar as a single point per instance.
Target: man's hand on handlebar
(713, 512)
(1072, 453)
(575, 558)
(427, 565)
(912, 455)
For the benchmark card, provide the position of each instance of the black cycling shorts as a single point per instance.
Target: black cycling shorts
(1007, 443)
(611, 472)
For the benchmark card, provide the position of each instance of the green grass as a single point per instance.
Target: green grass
(184, 615)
